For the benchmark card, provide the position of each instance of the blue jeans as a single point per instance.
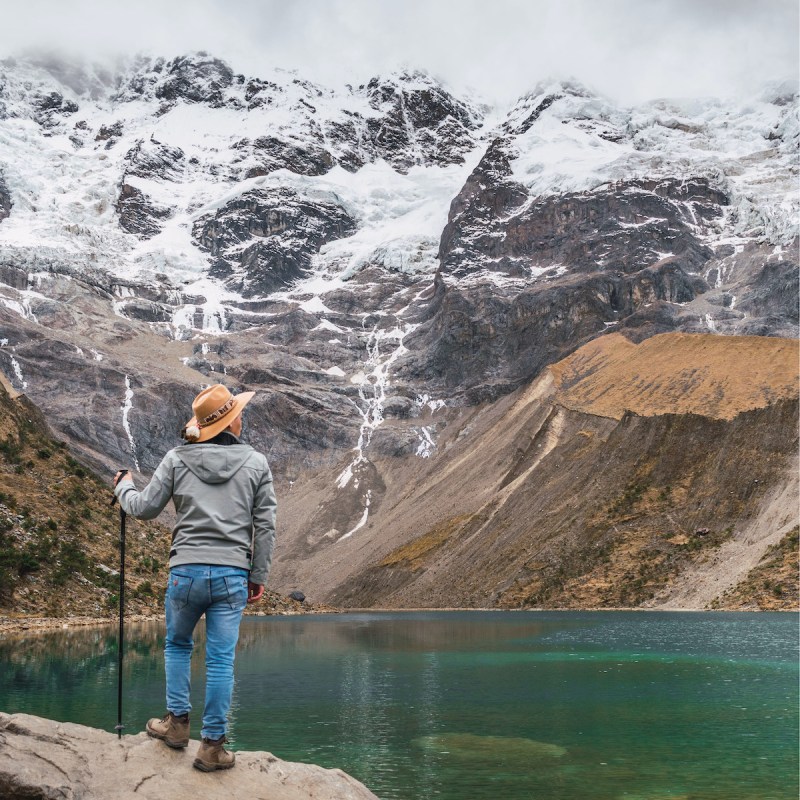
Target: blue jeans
(221, 594)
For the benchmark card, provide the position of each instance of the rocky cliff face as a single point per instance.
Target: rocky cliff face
(375, 261)
(264, 241)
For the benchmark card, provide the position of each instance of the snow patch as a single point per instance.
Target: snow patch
(126, 409)
(315, 306)
(18, 372)
(327, 325)
(425, 401)
(364, 517)
(426, 444)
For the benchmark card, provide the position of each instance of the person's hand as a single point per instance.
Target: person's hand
(122, 475)
(255, 591)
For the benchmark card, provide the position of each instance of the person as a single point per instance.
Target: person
(221, 555)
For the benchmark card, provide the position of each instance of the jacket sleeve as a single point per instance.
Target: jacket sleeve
(264, 509)
(150, 502)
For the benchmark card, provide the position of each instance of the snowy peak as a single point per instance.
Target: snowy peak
(30, 91)
(418, 122)
(39, 87)
(194, 78)
(531, 105)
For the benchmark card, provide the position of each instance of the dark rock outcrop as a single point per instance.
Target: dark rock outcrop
(271, 153)
(496, 224)
(109, 133)
(198, 79)
(772, 299)
(263, 240)
(5, 199)
(484, 341)
(152, 159)
(194, 78)
(50, 107)
(138, 213)
(420, 122)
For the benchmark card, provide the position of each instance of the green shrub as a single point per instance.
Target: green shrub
(629, 498)
(11, 449)
(70, 559)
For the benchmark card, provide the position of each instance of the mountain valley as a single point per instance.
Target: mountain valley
(543, 356)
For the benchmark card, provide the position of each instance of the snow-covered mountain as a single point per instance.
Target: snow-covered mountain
(369, 258)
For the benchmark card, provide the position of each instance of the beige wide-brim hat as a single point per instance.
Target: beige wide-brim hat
(214, 409)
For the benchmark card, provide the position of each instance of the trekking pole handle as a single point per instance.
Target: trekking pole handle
(122, 473)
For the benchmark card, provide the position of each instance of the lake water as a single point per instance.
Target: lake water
(474, 705)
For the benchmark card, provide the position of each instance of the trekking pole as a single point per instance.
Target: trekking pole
(120, 649)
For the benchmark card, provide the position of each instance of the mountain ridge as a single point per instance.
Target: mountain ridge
(379, 263)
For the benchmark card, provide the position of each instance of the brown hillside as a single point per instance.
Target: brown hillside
(557, 497)
(59, 551)
(678, 373)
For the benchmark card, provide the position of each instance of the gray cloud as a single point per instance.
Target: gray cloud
(629, 49)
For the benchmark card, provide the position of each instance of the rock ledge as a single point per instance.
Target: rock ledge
(48, 760)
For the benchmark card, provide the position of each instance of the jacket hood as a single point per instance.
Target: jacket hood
(212, 463)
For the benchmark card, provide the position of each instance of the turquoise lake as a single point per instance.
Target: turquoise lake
(473, 705)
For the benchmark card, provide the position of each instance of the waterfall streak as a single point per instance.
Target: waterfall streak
(126, 409)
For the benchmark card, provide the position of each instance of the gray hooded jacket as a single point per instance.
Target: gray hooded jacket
(224, 501)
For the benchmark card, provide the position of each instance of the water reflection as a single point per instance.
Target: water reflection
(471, 705)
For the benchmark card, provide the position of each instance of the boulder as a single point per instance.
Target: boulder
(54, 761)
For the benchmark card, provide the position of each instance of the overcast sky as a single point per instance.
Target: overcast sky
(629, 49)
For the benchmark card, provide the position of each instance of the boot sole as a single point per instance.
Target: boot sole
(203, 767)
(173, 744)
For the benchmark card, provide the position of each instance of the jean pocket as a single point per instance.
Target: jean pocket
(237, 591)
(178, 590)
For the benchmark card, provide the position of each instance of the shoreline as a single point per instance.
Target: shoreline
(32, 624)
(22, 623)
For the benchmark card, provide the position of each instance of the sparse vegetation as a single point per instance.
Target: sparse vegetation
(624, 557)
(630, 497)
(774, 583)
(414, 554)
(57, 530)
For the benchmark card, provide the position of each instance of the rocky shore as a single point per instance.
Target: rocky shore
(47, 759)
(27, 624)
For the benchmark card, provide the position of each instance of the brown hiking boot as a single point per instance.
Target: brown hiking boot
(211, 755)
(173, 730)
